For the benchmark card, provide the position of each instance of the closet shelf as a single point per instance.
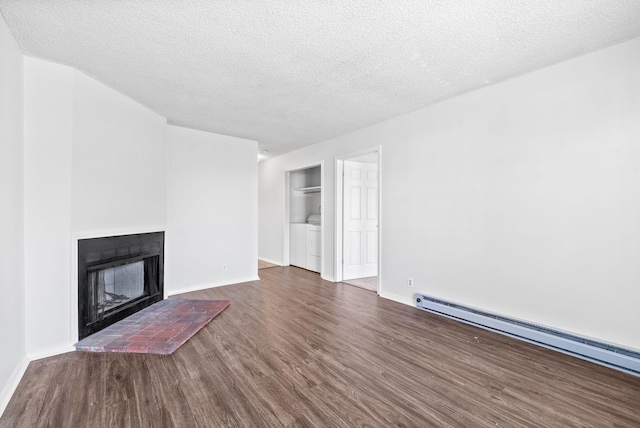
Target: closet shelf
(311, 189)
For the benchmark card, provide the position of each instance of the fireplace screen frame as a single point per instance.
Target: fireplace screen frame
(113, 251)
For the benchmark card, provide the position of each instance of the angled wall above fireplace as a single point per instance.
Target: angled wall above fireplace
(118, 276)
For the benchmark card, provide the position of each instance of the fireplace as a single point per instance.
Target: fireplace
(118, 276)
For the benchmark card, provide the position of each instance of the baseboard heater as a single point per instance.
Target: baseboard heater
(601, 353)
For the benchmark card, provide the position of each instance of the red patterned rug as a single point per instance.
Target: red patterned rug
(159, 329)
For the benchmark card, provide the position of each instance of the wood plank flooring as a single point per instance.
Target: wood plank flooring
(295, 351)
(262, 264)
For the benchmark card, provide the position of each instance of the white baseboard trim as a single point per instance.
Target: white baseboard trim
(279, 263)
(51, 351)
(400, 299)
(210, 285)
(12, 383)
(328, 278)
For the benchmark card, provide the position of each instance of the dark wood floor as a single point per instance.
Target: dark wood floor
(295, 351)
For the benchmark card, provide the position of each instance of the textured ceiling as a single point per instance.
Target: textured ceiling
(289, 73)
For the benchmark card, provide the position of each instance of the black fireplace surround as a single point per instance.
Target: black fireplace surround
(118, 276)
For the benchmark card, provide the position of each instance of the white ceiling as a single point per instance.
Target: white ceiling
(292, 73)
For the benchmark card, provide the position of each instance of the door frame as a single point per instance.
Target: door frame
(286, 231)
(339, 211)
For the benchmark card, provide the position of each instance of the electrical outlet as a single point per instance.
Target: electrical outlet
(410, 282)
(224, 267)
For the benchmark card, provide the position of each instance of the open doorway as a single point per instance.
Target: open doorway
(303, 235)
(358, 219)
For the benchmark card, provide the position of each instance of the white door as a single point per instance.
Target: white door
(360, 223)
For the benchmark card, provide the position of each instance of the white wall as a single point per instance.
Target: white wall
(12, 303)
(522, 198)
(119, 161)
(212, 210)
(95, 164)
(48, 137)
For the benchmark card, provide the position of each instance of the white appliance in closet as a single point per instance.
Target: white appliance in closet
(306, 246)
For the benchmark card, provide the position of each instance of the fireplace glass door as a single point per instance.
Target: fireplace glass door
(114, 287)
